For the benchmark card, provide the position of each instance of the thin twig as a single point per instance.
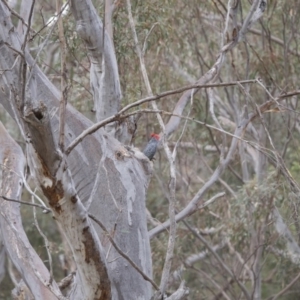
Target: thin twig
(41, 47)
(98, 125)
(212, 112)
(285, 289)
(10, 69)
(146, 38)
(47, 244)
(26, 203)
(63, 83)
(27, 187)
(14, 13)
(194, 203)
(218, 258)
(122, 253)
(217, 286)
(226, 22)
(190, 208)
(13, 49)
(28, 27)
(23, 65)
(181, 293)
(184, 126)
(163, 112)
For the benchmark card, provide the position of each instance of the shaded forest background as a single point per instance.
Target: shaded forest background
(183, 39)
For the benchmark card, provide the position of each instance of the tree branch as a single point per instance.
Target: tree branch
(63, 80)
(26, 203)
(181, 293)
(218, 258)
(239, 132)
(105, 83)
(212, 74)
(171, 158)
(108, 120)
(285, 289)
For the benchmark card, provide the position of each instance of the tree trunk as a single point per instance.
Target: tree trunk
(104, 177)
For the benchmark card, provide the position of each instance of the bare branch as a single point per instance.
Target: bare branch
(51, 23)
(147, 37)
(212, 74)
(26, 203)
(14, 13)
(190, 208)
(63, 82)
(47, 245)
(181, 293)
(239, 131)
(218, 287)
(192, 259)
(28, 27)
(98, 125)
(218, 258)
(285, 289)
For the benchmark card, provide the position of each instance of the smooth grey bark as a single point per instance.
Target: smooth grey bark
(105, 83)
(104, 74)
(116, 197)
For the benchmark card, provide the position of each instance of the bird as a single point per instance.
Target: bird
(151, 147)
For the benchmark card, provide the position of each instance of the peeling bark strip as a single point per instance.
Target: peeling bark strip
(93, 256)
(54, 194)
(71, 214)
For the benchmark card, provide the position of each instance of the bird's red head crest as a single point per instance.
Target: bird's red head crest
(156, 136)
